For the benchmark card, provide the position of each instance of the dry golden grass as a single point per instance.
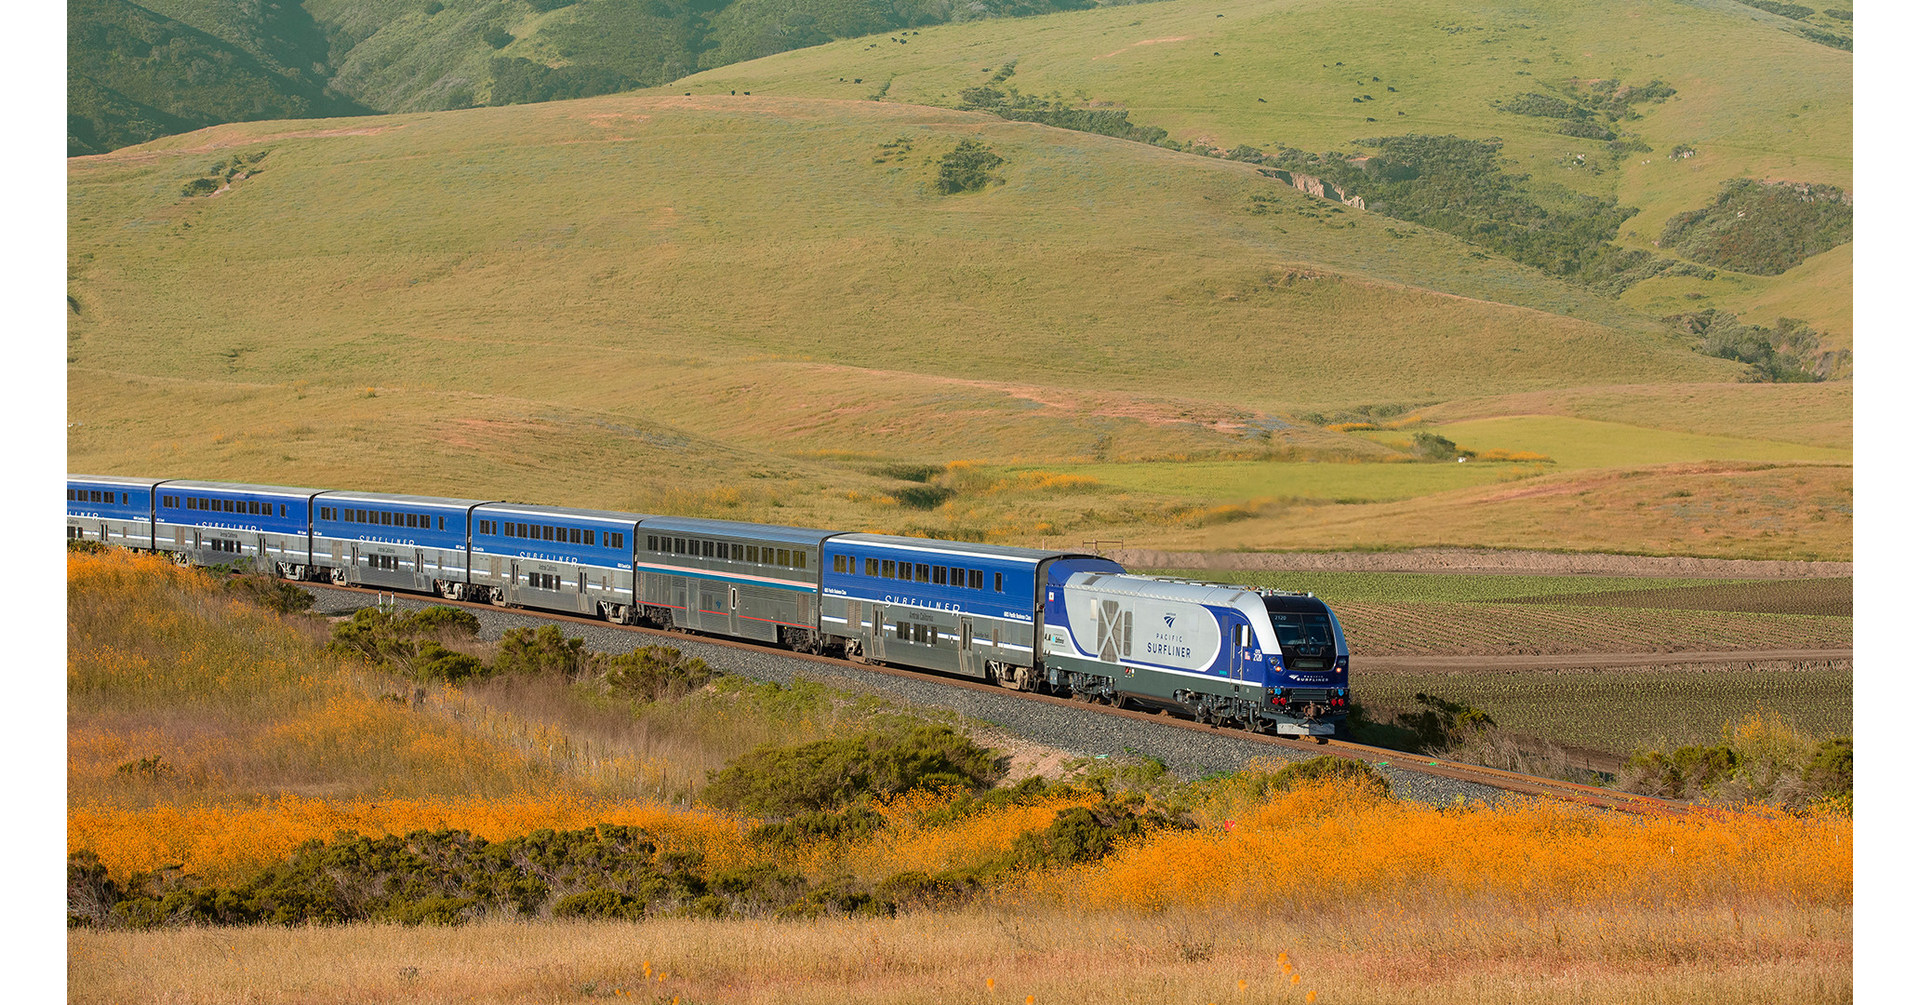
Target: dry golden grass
(1374, 953)
(1715, 510)
(1528, 902)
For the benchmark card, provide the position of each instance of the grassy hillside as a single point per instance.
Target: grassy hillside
(1754, 96)
(629, 301)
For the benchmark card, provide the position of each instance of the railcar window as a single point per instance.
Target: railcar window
(679, 545)
(873, 567)
(799, 559)
(886, 568)
(123, 498)
(653, 542)
(739, 551)
(921, 574)
(999, 582)
(753, 553)
(706, 549)
(939, 575)
(786, 558)
(619, 539)
(900, 631)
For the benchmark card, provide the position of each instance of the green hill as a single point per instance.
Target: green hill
(629, 301)
(134, 74)
(140, 71)
(1625, 114)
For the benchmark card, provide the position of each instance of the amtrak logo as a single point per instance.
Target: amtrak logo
(1168, 618)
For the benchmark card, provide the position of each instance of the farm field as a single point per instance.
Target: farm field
(1619, 711)
(1409, 613)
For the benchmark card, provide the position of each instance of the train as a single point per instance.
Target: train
(1064, 623)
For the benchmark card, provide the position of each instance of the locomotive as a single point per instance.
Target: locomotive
(1054, 622)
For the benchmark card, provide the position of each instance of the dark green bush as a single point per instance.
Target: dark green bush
(1687, 771)
(1439, 723)
(272, 593)
(1434, 447)
(968, 167)
(537, 652)
(1831, 767)
(1763, 229)
(828, 774)
(656, 673)
(600, 904)
(855, 823)
(923, 496)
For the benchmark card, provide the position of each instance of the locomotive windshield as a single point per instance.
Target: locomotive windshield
(1299, 628)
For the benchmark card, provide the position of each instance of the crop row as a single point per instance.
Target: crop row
(1379, 629)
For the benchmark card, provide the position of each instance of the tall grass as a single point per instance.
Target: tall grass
(1528, 857)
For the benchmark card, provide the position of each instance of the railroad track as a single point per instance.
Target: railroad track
(1509, 781)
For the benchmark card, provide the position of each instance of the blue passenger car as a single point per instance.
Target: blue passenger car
(971, 609)
(262, 527)
(557, 558)
(401, 542)
(751, 580)
(110, 510)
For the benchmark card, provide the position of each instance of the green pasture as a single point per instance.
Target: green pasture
(1575, 443)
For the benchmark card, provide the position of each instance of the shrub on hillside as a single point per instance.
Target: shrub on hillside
(272, 593)
(656, 673)
(538, 652)
(1761, 228)
(968, 168)
(410, 643)
(1434, 447)
(1763, 758)
(827, 774)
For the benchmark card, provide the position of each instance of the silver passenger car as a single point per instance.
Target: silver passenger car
(399, 541)
(555, 558)
(756, 581)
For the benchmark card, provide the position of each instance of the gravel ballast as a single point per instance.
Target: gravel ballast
(1187, 753)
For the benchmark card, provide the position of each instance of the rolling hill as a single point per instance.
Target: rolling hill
(168, 66)
(1754, 95)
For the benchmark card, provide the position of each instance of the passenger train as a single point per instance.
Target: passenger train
(1055, 622)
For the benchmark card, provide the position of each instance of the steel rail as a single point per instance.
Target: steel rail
(1509, 781)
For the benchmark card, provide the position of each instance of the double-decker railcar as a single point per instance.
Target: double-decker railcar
(399, 542)
(556, 558)
(970, 609)
(265, 528)
(1267, 660)
(110, 510)
(750, 580)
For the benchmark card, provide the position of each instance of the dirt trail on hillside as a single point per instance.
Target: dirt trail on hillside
(1468, 560)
